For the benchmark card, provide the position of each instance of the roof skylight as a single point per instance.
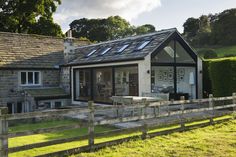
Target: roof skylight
(105, 51)
(170, 52)
(143, 45)
(122, 48)
(91, 53)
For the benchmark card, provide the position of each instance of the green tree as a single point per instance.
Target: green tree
(147, 28)
(113, 27)
(224, 28)
(191, 27)
(118, 27)
(46, 27)
(205, 25)
(22, 16)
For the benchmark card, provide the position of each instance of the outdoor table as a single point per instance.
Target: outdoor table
(133, 99)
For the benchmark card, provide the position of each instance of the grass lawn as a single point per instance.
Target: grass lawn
(212, 141)
(37, 138)
(47, 124)
(19, 141)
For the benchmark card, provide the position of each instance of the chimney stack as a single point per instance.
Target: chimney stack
(68, 46)
(69, 33)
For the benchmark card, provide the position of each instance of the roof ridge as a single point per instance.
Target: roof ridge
(130, 37)
(36, 35)
(41, 36)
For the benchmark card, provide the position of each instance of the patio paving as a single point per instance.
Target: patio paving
(108, 114)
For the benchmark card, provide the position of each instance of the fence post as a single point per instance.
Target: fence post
(234, 101)
(144, 131)
(3, 132)
(211, 107)
(91, 124)
(144, 114)
(168, 106)
(182, 98)
(156, 110)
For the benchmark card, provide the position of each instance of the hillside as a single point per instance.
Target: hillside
(221, 51)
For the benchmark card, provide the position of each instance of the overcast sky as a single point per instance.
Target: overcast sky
(162, 14)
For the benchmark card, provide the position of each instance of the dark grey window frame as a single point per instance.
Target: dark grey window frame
(92, 84)
(176, 38)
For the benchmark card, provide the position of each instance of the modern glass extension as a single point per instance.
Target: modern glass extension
(174, 71)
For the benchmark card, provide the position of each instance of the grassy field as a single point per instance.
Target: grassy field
(221, 51)
(229, 50)
(218, 141)
(19, 141)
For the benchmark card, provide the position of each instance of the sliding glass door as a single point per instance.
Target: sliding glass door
(126, 81)
(102, 78)
(100, 84)
(83, 84)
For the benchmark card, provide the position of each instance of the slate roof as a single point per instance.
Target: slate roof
(156, 38)
(31, 51)
(45, 93)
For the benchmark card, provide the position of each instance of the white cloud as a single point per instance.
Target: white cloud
(75, 9)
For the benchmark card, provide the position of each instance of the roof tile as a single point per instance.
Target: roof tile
(31, 51)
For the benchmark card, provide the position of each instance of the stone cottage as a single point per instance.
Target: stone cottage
(40, 72)
(30, 76)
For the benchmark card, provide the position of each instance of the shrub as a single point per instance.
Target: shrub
(229, 55)
(223, 76)
(209, 54)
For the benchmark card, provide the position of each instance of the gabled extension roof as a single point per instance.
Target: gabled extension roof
(129, 54)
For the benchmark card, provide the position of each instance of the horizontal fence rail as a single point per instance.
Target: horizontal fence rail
(163, 112)
(43, 130)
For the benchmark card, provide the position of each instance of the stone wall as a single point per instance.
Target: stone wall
(9, 87)
(51, 78)
(11, 91)
(65, 79)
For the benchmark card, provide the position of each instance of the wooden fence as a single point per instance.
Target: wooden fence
(213, 107)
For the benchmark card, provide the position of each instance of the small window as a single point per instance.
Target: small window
(105, 51)
(143, 45)
(122, 48)
(19, 107)
(58, 104)
(91, 53)
(30, 78)
(10, 108)
(47, 105)
(36, 77)
(23, 78)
